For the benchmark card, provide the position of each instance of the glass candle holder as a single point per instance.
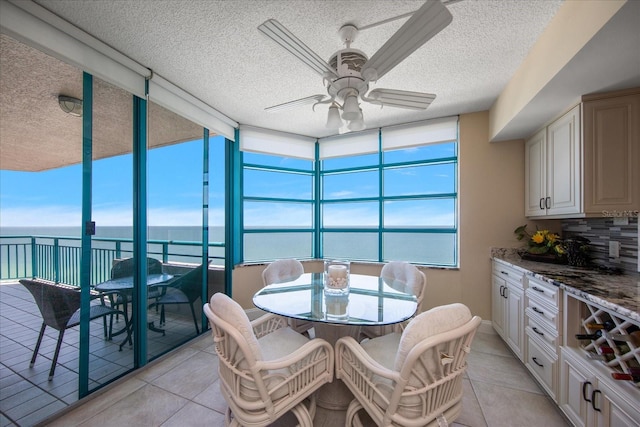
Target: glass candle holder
(336, 277)
(336, 305)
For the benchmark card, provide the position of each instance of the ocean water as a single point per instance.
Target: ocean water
(186, 233)
(434, 249)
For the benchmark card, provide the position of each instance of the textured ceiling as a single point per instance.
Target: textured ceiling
(32, 123)
(213, 50)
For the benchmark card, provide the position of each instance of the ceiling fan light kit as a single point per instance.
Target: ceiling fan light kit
(333, 118)
(349, 72)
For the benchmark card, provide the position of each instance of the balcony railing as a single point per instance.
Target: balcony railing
(58, 258)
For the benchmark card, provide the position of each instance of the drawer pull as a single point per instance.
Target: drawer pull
(537, 331)
(535, 288)
(536, 362)
(537, 311)
(584, 390)
(504, 272)
(593, 400)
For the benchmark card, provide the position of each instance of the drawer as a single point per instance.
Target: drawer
(509, 273)
(542, 333)
(541, 291)
(544, 367)
(542, 314)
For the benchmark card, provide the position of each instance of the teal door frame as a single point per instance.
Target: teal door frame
(85, 261)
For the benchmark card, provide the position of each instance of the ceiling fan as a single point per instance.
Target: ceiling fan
(349, 71)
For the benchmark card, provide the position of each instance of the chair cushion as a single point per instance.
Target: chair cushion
(432, 322)
(383, 349)
(282, 270)
(281, 342)
(404, 277)
(231, 312)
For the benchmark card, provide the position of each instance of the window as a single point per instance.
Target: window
(277, 207)
(379, 195)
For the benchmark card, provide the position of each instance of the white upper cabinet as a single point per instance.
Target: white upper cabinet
(552, 168)
(587, 162)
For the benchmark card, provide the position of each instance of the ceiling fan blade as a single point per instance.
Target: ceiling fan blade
(313, 99)
(400, 98)
(279, 34)
(425, 23)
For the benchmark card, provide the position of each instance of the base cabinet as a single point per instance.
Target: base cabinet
(588, 398)
(508, 307)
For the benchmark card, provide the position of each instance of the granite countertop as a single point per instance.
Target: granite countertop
(619, 293)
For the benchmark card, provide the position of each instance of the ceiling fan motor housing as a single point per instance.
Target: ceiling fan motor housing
(348, 65)
(348, 62)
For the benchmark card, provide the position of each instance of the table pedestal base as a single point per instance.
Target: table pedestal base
(334, 395)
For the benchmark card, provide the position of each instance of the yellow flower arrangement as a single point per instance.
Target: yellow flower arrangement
(541, 242)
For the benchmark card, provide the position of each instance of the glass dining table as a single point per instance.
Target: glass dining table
(371, 301)
(124, 287)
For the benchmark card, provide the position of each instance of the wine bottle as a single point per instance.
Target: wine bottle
(634, 337)
(625, 377)
(606, 350)
(607, 325)
(594, 336)
(608, 354)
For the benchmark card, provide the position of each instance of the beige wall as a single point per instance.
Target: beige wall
(575, 24)
(491, 198)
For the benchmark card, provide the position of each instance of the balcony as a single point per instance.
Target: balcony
(27, 395)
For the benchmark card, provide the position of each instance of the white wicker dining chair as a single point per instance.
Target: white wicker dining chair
(266, 369)
(410, 379)
(404, 277)
(282, 270)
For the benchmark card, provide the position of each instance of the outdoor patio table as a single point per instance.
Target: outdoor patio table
(369, 302)
(124, 286)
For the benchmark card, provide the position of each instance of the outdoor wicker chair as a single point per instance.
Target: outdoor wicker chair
(183, 290)
(60, 309)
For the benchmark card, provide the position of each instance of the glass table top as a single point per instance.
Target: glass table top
(370, 301)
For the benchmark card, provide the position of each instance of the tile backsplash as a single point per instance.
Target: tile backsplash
(600, 231)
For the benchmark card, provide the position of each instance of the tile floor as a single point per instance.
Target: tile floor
(182, 389)
(26, 395)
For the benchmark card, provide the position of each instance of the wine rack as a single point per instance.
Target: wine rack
(618, 343)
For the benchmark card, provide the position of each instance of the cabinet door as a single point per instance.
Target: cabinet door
(514, 322)
(497, 304)
(576, 387)
(612, 154)
(563, 164)
(535, 175)
(610, 410)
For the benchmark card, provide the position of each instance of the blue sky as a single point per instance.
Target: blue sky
(54, 197)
